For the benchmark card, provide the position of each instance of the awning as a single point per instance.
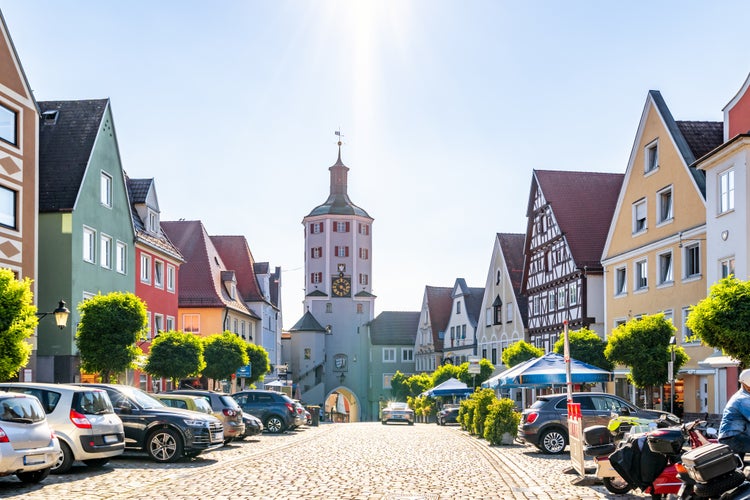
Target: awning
(546, 371)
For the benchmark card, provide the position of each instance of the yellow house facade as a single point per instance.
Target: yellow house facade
(655, 257)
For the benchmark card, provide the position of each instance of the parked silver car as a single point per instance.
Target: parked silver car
(83, 420)
(28, 446)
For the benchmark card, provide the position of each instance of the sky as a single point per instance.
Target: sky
(446, 108)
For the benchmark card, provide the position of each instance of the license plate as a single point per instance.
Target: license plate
(33, 459)
(111, 438)
(219, 436)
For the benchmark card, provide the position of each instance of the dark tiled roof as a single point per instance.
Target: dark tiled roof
(236, 255)
(307, 323)
(439, 305)
(261, 267)
(65, 147)
(200, 276)
(137, 192)
(702, 137)
(583, 204)
(512, 246)
(394, 328)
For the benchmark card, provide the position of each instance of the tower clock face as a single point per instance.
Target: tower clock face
(341, 287)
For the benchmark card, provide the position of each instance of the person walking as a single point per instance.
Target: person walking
(734, 430)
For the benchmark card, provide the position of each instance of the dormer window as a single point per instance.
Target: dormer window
(153, 222)
(230, 283)
(652, 157)
(50, 117)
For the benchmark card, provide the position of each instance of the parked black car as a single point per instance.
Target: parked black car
(275, 409)
(166, 434)
(447, 415)
(253, 425)
(545, 423)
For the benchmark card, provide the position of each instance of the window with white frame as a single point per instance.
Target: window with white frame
(688, 337)
(145, 268)
(191, 323)
(364, 279)
(170, 323)
(106, 189)
(8, 125)
(158, 323)
(407, 354)
(387, 380)
(489, 316)
(641, 275)
(726, 267)
(148, 324)
(551, 300)
(621, 281)
(316, 227)
(639, 216)
(153, 221)
(360, 308)
(458, 308)
(329, 307)
(692, 260)
(341, 227)
(665, 268)
(316, 278)
(726, 191)
(158, 273)
(316, 252)
(389, 355)
(121, 257)
(170, 277)
(8, 207)
(105, 251)
(573, 293)
(651, 157)
(463, 331)
(669, 315)
(89, 245)
(509, 312)
(561, 297)
(664, 208)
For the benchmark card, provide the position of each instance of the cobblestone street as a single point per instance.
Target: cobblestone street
(351, 461)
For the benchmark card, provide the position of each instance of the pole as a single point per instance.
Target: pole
(566, 353)
(671, 378)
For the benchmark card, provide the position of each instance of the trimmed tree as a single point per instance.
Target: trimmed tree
(259, 362)
(520, 351)
(586, 346)
(17, 322)
(643, 345)
(502, 420)
(224, 353)
(722, 320)
(443, 373)
(175, 355)
(109, 327)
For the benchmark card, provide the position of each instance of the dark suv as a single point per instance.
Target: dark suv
(275, 409)
(166, 434)
(545, 423)
(225, 409)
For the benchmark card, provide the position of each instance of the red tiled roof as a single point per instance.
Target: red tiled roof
(439, 305)
(200, 276)
(236, 254)
(583, 204)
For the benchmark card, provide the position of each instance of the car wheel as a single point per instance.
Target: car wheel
(411, 423)
(552, 441)
(34, 476)
(228, 440)
(64, 460)
(96, 462)
(383, 422)
(164, 445)
(274, 425)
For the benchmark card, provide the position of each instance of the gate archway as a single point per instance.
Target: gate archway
(342, 405)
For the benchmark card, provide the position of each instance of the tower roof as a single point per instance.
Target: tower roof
(338, 202)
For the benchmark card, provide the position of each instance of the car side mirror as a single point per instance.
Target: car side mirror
(124, 406)
(624, 411)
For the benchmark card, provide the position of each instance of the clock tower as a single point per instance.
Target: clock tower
(328, 352)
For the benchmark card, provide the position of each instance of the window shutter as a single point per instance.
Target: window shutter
(312, 227)
(336, 251)
(335, 227)
(347, 227)
(346, 251)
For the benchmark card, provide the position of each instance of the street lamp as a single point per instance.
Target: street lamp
(61, 314)
(670, 369)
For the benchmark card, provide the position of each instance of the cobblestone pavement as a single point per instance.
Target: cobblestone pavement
(348, 461)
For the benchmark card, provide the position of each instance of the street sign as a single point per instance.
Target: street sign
(245, 371)
(474, 364)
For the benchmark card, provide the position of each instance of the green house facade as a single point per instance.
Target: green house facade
(86, 236)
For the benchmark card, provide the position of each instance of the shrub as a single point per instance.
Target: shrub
(502, 418)
(466, 414)
(484, 398)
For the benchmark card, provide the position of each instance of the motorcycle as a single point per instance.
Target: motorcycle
(648, 460)
(713, 471)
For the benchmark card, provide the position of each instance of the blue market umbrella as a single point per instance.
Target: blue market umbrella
(546, 371)
(451, 387)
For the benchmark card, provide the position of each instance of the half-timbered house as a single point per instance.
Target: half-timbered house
(568, 217)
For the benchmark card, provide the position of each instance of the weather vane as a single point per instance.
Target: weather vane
(340, 135)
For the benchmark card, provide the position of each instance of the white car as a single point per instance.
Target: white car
(397, 412)
(28, 446)
(83, 419)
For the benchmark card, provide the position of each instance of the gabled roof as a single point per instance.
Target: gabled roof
(138, 190)
(20, 86)
(582, 204)
(512, 246)
(200, 276)
(65, 146)
(473, 297)
(439, 306)
(394, 328)
(307, 323)
(236, 255)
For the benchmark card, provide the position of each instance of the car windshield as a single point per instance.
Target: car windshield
(21, 409)
(141, 398)
(398, 406)
(94, 402)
